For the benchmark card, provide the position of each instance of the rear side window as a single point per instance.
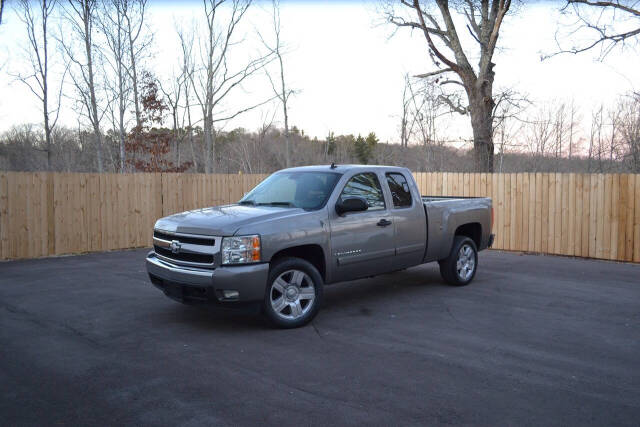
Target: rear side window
(400, 192)
(367, 186)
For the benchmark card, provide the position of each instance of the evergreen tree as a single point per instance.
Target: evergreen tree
(364, 147)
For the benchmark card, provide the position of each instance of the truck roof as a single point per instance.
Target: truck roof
(341, 168)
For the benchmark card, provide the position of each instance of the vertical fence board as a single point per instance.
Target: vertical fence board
(598, 216)
(570, 237)
(525, 218)
(4, 215)
(514, 211)
(564, 233)
(545, 214)
(577, 192)
(629, 237)
(538, 199)
(500, 211)
(615, 218)
(636, 222)
(606, 224)
(584, 216)
(622, 217)
(557, 212)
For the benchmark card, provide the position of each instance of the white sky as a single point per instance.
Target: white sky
(350, 72)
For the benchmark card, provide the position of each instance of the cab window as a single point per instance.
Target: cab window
(400, 192)
(367, 186)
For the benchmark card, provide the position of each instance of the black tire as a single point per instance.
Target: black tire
(448, 266)
(288, 317)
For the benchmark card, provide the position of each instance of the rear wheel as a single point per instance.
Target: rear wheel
(460, 267)
(294, 293)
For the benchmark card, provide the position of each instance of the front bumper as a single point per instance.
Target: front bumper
(206, 286)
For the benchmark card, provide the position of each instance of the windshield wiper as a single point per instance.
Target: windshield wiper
(246, 202)
(287, 204)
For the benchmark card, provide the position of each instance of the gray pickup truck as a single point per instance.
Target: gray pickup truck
(305, 227)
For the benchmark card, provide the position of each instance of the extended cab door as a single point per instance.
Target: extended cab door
(409, 219)
(362, 243)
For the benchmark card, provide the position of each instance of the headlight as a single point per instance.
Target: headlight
(241, 249)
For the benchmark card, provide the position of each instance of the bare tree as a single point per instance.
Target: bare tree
(173, 91)
(280, 90)
(186, 45)
(138, 42)
(213, 79)
(428, 104)
(629, 108)
(81, 18)
(601, 24)
(507, 121)
(112, 24)
(540, 134)
(484, 19)
(573, 121)
(36, 23)
(405, 126)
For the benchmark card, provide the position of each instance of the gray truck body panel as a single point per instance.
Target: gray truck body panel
(353, 245)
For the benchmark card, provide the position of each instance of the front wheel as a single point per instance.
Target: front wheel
(294, 293)
(460, 267)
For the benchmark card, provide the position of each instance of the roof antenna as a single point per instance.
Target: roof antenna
(333, 165)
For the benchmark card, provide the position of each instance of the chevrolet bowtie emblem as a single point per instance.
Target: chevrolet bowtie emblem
(175, 246)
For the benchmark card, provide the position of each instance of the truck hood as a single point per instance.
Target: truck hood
(222, 220)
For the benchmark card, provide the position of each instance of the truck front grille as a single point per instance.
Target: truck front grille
(186, 249)
(183, 256)
(204, 240)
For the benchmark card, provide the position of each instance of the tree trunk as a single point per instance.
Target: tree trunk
(121, 132)
(209, 144)
(47, 127)
(174, 109)
(93, 114)
(45, 83)
(121, 113)
(286, 133)
(482, 125)
(134, 79)
(193, 153)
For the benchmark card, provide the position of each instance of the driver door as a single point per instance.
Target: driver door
(362, 243)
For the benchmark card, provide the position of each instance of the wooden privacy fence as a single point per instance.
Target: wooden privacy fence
(585, 215)
(595, 216)
(61, 213)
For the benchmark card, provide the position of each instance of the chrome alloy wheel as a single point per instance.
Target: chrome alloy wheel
(292, 294)
(466, 263)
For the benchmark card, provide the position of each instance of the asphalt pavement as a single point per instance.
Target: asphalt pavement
(534, 340)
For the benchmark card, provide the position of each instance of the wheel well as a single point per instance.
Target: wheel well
(472, 230)
(310, 253)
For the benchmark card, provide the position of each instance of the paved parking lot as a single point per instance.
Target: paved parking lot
(534, 340)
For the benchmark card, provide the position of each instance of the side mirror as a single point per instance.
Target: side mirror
(351, 204)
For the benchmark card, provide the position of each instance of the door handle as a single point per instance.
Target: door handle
(383, 222)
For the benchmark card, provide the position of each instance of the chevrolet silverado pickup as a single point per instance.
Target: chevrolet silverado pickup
(306, 227)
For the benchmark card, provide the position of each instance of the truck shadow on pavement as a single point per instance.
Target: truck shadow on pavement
(358, 295)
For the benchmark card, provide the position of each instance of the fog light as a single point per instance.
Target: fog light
(228, 294)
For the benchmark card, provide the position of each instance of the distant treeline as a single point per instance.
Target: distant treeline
(21, 149)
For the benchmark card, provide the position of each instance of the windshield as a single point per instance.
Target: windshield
(306, 190)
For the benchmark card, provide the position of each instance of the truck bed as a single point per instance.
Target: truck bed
(445, 213)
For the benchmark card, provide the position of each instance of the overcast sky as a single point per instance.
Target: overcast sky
(349, 70)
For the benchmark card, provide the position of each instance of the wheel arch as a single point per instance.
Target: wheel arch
(311, 253)
(472, 230)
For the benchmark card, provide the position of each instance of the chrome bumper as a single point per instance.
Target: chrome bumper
(249, 280)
